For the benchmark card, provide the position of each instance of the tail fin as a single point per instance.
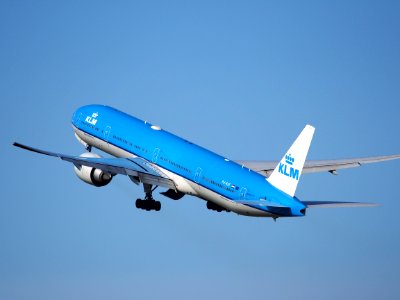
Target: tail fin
(288, 171)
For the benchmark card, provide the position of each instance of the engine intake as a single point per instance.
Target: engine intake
(91, 175)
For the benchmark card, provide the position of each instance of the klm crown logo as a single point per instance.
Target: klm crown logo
(287, 169)
(289, 159)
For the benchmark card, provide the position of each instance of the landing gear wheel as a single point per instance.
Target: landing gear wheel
(139, 203)
(148, 203)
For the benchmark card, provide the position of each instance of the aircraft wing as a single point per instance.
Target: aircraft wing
(315, 166)
(133, 167)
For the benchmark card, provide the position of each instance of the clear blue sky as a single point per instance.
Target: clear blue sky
(239, 77)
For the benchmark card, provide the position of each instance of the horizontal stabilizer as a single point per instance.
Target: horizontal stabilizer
(331, 204)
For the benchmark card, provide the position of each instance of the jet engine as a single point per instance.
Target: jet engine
(91, 175)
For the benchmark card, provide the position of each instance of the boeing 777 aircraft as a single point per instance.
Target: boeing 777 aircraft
(153, 157)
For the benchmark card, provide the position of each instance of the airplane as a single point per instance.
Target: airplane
(151, 156)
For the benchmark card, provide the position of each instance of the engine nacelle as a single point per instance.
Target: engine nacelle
(91, 175)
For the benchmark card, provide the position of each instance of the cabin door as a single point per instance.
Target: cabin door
(106, 133)
(155, 155)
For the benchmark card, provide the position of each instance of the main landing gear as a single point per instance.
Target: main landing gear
(216, 207)
(148, 203)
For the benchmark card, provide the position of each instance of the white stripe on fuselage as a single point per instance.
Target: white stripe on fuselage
(183, 185)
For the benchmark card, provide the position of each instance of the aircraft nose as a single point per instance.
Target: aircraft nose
(76, 116)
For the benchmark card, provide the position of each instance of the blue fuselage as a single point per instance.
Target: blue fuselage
(181, 157)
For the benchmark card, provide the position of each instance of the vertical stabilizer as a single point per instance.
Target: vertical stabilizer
(287, 173)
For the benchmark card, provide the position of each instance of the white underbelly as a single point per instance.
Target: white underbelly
(183, 185)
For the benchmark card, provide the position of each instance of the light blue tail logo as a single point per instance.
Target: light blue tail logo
(287, 169)
(289, 159)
